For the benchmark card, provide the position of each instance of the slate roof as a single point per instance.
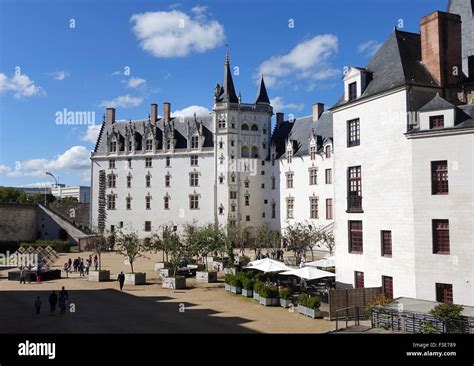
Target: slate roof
(262, 96)
(300, 131)
(436, 104)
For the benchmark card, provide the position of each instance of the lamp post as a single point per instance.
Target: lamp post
(56, 183)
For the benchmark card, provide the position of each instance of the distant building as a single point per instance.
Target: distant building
(81, 193)
(29, 191)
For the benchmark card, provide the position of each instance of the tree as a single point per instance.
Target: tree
(130, 246)
(266, 238)
(12, 195)
(163, 242)
(329, 241)
(69, 200)
(450, 314)
(97, 244)
(299, 237)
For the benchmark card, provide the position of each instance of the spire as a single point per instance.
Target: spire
(227, 91)
(262, 96)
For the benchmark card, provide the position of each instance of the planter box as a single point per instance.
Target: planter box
(229, 271)
(247, 293)
(256, 296)
(206, 277)
(174, 283)
(268, 301)
(227, 287)
(138, 278)
(165, 272)
(312, 313)
(99, 276)
(286, 303)
(236, 290)
(161, 265)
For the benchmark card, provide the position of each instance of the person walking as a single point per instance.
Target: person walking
(38, 275)
(121, 279)
(65, 293)
(81, 268)
(75, 264)
(22, 275)
(62, 303)
(53, 300)
(29, 273)
(96, 262)
(69, 263)
(88, 265)
(37, 306)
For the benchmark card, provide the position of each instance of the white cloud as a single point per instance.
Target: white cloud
(189, 111)
(135, 82)
(74, 159)
(123, 101)
(20, 85)
(369, 48)
(176, 34)
(37, 185)
(91, 134)
(279, 104)
(198, 9)
(307, 61)
(59, 75)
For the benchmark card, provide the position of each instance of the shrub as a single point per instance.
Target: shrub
(285, 293)
(236, 281)
(377, 300)
(450, 314)
(312, 302)
(228, 278)
(248, 283)
(268, 292)
(428, 327)
(257, 287)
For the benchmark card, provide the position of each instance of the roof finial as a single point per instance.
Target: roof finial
(227, 54)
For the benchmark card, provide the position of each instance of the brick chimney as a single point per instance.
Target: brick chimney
(318, 109)
(154, 113)
(166, 111)
(441, 46)
(280, 119)
(110, 116)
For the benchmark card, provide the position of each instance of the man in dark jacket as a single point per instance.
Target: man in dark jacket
(53, 300)
(121, 279)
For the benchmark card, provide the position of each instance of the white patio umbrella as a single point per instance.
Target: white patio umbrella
(255, 262)
(323, 263)
(308, 273)
(270, 265)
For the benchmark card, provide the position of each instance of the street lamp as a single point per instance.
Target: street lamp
(56, 182)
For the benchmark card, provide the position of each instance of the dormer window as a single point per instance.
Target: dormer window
(113, 146)
(289, 156)
(149, 145)
(195, 142)
(436, 122)
(312, 151)
(328, 151)
(352, 91)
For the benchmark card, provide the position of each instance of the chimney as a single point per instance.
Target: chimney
(166, 111)
(280, 118)
(110, 116)
(154, 112)
(318, 109)
(441, 47)
(470, 67)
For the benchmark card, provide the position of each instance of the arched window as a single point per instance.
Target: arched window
(245, 127)
(245, 152)
(254, 127)
(255, 152)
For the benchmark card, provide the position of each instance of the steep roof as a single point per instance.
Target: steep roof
(436, 104)
(262, 96)
(227, 91)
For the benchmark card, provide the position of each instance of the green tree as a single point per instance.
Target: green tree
(130, 246)
(8, 194)
(449, 314)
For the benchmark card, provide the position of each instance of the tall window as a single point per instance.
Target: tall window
(246, 183)
(113, 146)
(166, 200)
(193, 201)
(387, 286)
(148, 180)
(312, 152)
(436, 121)
(358, 279)
(289, 180)
(112, 180)
(444, 293)
(233, 195)
(354, 201)
(128, 203)
(148, 162)
(247, 200)
(129, 163)
(328, 151)
(353, 132)
(289, 156)
(111, 202)
(194, 179)
(112, 164)
(168, 162)
(148, 202)
(273, 210)
(168, 144)
(147, 225)
(313, 207)
(273, 159)
(194, 160)
(439, 177)
(352, 91)
(313, 176)
(440, 236)
(167, 180)
(355, 237)
(328, 176)
(290, 208)
(194, 142)
(149, 144)
(386, 243)
(329, 209)
(129, 181)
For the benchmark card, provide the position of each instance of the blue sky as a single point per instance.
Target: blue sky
(73, 55)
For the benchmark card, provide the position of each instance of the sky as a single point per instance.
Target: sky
(75, 58)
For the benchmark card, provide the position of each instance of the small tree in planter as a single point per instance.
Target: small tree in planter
(236, 283)
(268, 296)
(247, 286)
(285, 297)
(257, 287)
(450, 315)
(178, 251)
(131, 247)
(309, 305)
(97, 245)
(228, 279)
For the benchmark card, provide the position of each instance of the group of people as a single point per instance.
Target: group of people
(54, 299)
(27, 270)
(82, 266)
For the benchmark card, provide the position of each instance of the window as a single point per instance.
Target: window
(273, 210)
(290, 206)
(273, 159)
(247, 200)
(128, 203)
(439, 177)
(245, 127)
(148, 180)
(328, 151)
(120, 224)
(289, 156)
(440, 236)
(221, 144)
(194, 179)
(254, 127)
(130, 145)
(232, 207)
(129, 181)
(147, 225)
(246, 183)
(247, 218)
(354, 201)
(166, 201)
(194, 160)
(289, 180)
(195, 142)
(221, 210)
(148, 163)
(194, 202)
(221, 179)
(168, 144)
(149, 145)
(353, 133)
(436, 122)
(129, 162)
(329, 209)
(313, 176)
(313, 208)
(358, 279)
(112, 180)
(263, 185)
(232, 178)
(112, 164)
(113, 146)
(355, 237)
(232, 143)
(387, 286)
(444, 293)
(386, 243)
(148, 202)
(233, 195)
(273, 182)
(167, 180)
(328, 176)
(112, 228)
(168, 162)
(312, 150)
(352, 91)
(111, 202)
